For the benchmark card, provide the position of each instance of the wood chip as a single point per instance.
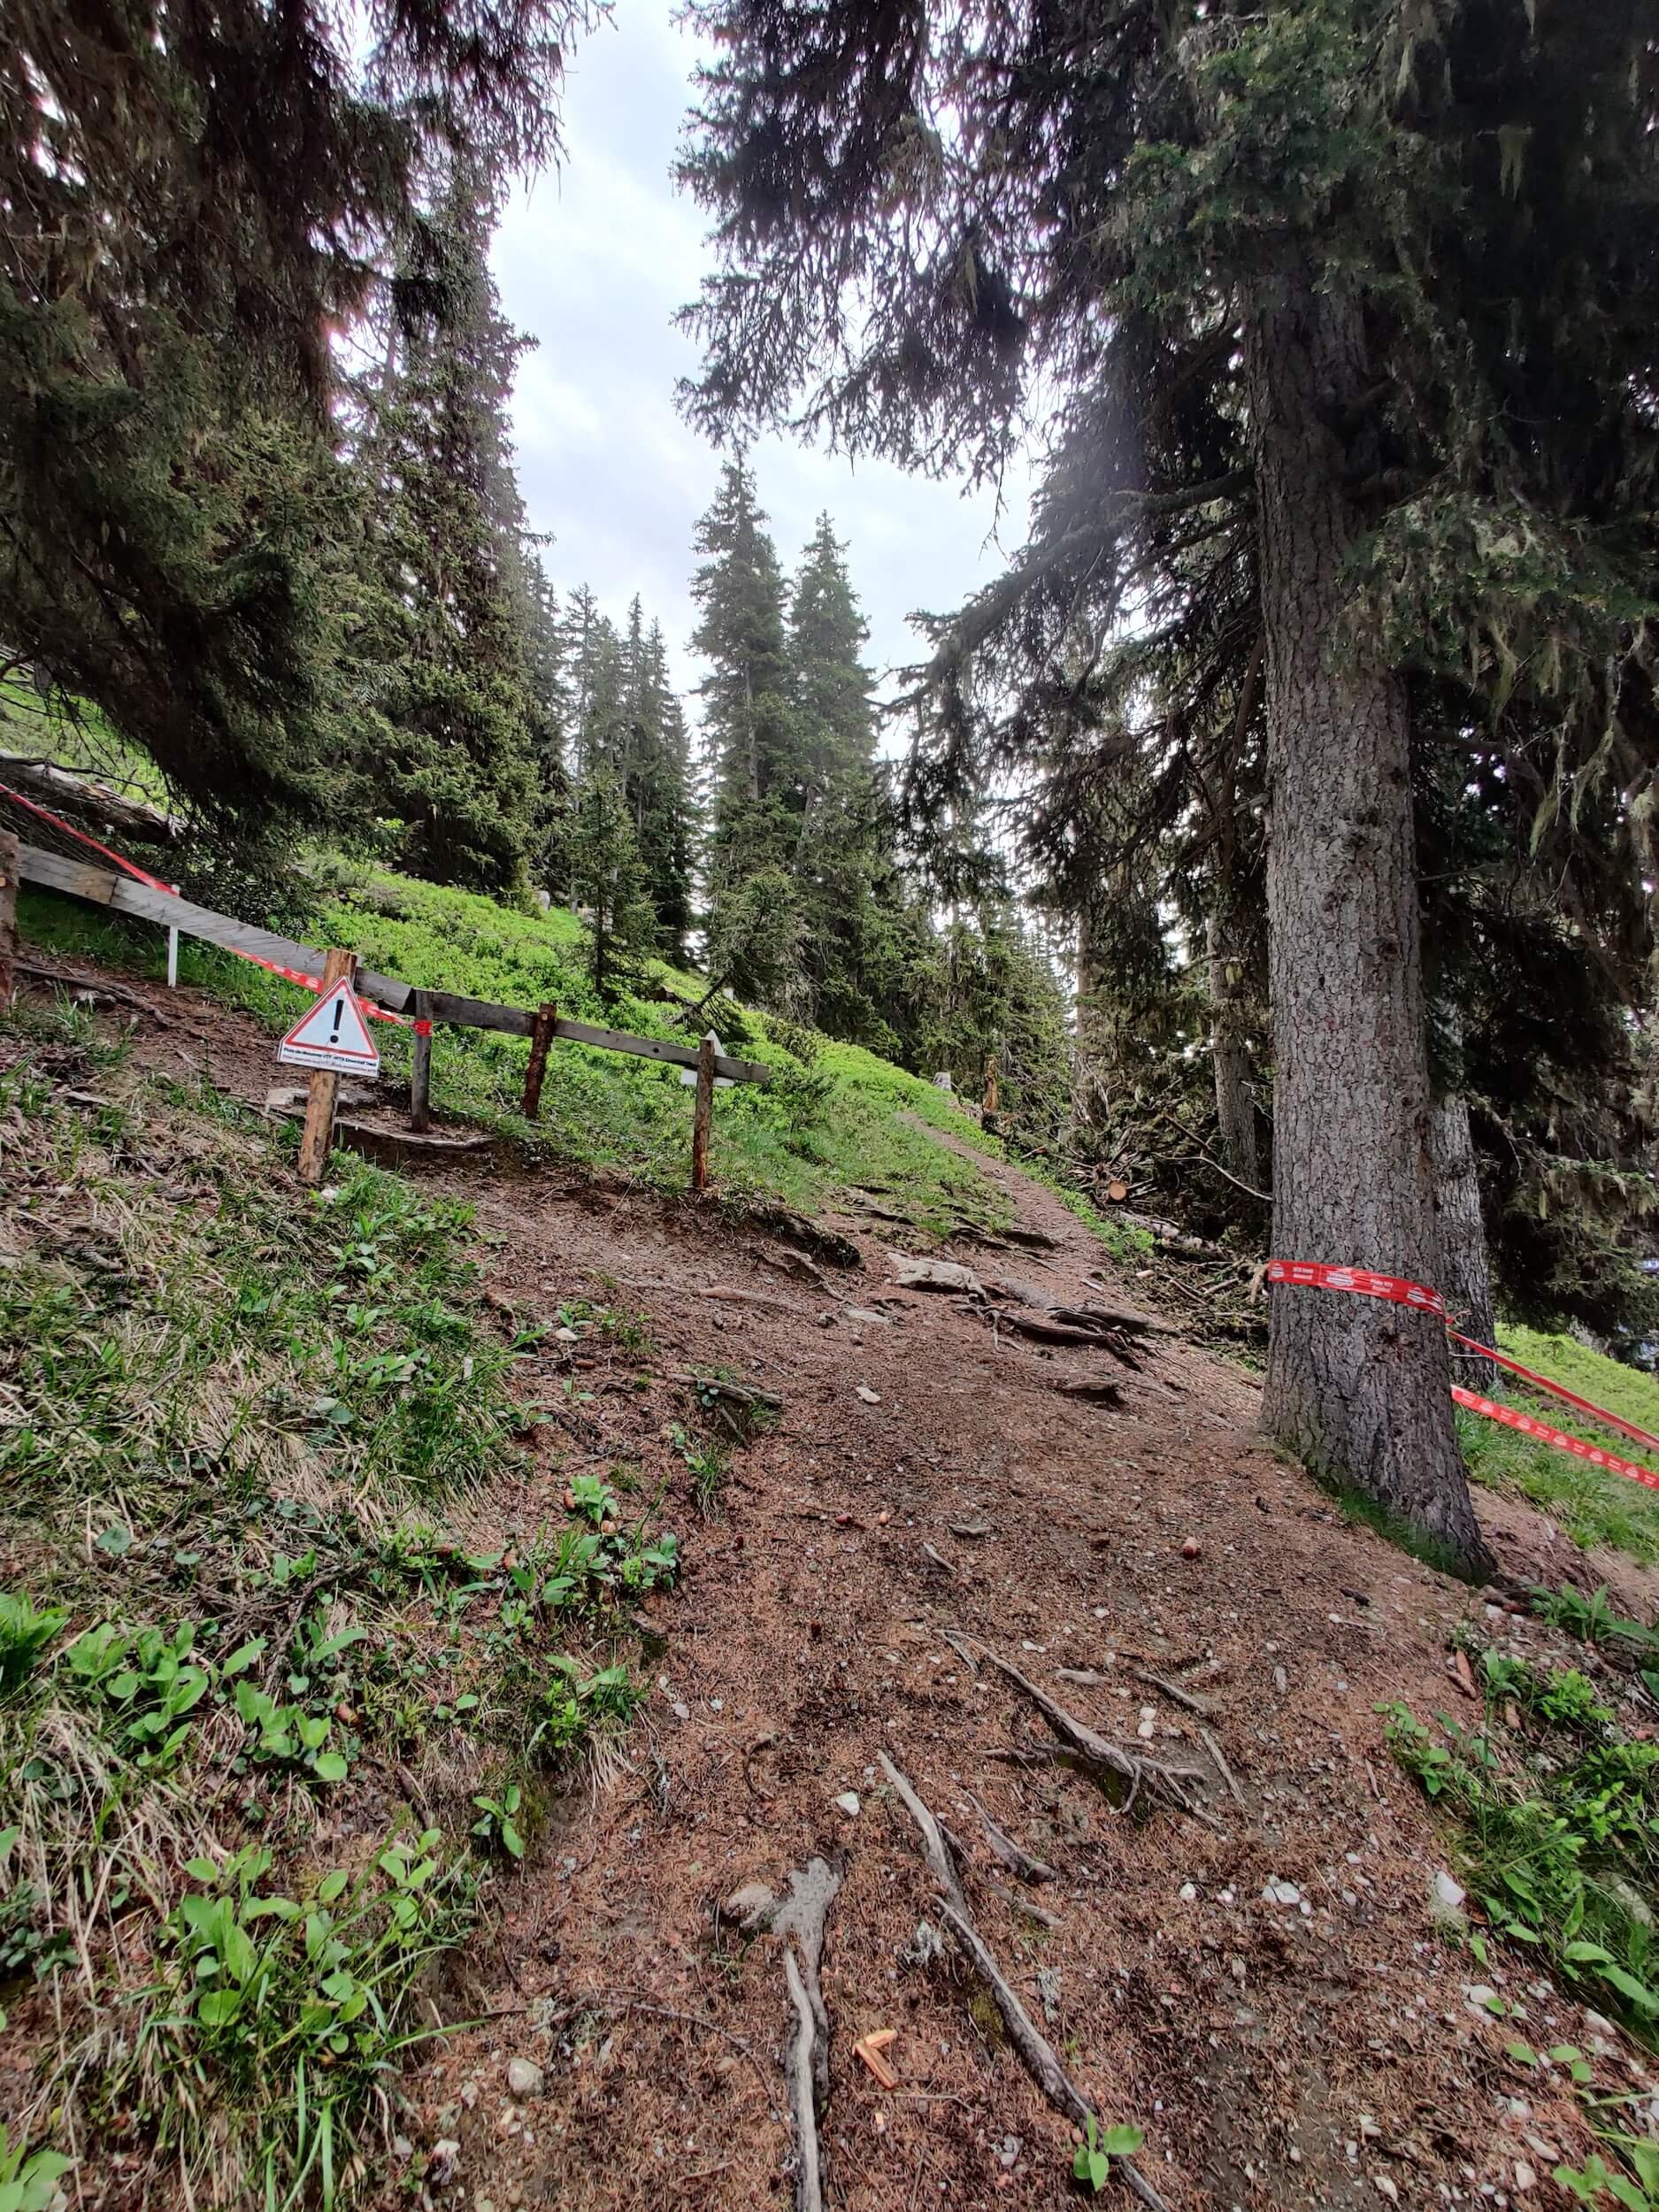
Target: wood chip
(870, 2048)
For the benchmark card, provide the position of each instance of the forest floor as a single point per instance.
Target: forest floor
(1263, 1989)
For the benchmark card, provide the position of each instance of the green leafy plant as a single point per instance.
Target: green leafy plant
(25, 1632)
(148, 1682)
(297, 2007)
(1093, 2162)
(497, 1821)
(1559, 1816)
(287, 1735)
(28, 2179)
(707, 1464)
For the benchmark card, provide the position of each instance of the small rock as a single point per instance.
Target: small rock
(1525, 2176)
(1281, 1680)
(1009, 2156)
(1281, 1893)
(1189, 1549)
(1384, 2187)
(1188, 1892)
(1145, 1730)
(1445, 1899)
(524, 2078)
(401, 2147)
(847, 1803)
(440, 2163)
(1370, 2132)
(870, 1397)
(1479, 1998)
(680, 1709)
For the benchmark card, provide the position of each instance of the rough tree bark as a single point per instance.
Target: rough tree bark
(1464, 1275)
(1358, 1388)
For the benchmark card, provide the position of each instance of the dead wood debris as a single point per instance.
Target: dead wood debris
(1223, 1769)
(92, 987)
(1202, 1706)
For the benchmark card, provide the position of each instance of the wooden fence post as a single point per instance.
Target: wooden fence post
(703, 1114)
(420, 1067)
(8, 915)
(541, 1037)
(318, 1134)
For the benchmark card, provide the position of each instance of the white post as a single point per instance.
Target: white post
(173, 952)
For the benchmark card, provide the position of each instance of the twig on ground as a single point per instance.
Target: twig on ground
(959, 1645)
(934, 1846)
(93, 987)
(1027, 1905)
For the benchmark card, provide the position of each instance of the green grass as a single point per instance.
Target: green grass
(240, 1421)
(841, 1121)
(1592, 1504)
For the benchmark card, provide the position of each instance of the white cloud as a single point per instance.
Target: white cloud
(593, 262)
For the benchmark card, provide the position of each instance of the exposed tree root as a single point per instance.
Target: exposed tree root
(1036, 2054)
(803, 1916)
(1162, 1783)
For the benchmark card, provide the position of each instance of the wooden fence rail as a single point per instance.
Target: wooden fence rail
(125, 895)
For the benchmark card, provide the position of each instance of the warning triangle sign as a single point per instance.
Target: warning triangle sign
(331, 1035)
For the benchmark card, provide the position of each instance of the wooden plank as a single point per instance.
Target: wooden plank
(126, 896)
(318, 1132)
(420, 1070)
(660, 1048)
(97, 883)
(479, 1013)
(8, 916)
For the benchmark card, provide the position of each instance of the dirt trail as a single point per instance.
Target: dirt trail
(1314, 2049)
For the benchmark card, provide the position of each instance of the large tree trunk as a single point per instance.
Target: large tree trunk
(1229, 1052)
(1358, 1388)
(1464, 1277)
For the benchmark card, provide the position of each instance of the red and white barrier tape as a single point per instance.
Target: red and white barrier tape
(272, 967)
(1316, 1275)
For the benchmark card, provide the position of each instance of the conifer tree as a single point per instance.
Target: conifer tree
(748, 724)
(1361, 301)
(611, 887)
(459, 762)
(197, 200)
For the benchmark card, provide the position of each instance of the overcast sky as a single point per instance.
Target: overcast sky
(592, 261)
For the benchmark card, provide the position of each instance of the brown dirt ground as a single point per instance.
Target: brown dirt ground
(1321, 2053)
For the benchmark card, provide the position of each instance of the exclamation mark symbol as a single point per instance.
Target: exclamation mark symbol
(339, 1013)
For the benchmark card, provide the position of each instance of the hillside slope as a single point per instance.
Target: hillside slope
(835, 1118)
(1257, 1981)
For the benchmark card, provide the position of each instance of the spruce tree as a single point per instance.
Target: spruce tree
(610, 880)
(197, 201)
(748, 725)
(1363, 298)
(458, 765)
